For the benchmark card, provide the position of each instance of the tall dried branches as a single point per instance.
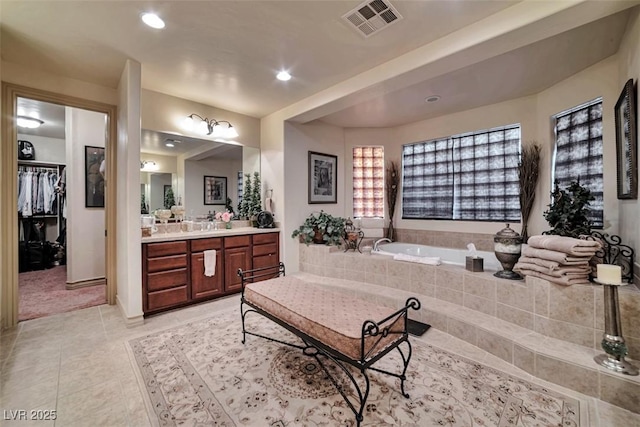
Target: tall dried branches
(528, 171)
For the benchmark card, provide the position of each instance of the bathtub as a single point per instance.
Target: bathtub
(447, 255)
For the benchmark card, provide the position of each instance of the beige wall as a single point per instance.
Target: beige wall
(38, 79)
(534, 115)
(165, 113)
(195, 172)
(629, 68)
(299, 140)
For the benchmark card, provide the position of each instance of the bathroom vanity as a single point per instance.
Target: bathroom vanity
(173, 264)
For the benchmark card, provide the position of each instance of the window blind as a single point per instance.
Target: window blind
(578, 153)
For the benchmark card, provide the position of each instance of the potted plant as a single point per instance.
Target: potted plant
(321, 227)
(568, 213)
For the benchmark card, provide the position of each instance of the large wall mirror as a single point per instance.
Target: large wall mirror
(181, 163)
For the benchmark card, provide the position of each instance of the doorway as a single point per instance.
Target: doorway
(61, 159)
(9, 235)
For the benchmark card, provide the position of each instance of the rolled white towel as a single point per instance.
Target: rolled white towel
(210, 263)
(420, 259)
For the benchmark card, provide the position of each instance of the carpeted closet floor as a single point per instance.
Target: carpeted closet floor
(43, 293)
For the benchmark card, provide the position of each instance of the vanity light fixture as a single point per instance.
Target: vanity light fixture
(152, 20)
(283, 76)
(213, 127)
(28, 122)
(148, 166)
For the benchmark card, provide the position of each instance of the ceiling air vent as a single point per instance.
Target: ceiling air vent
(370, 17)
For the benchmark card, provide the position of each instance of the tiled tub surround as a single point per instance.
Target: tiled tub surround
(550, 331)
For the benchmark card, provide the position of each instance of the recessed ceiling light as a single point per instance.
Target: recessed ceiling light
(283, 76)
(169, 144)
(153, 20)
(433, 98)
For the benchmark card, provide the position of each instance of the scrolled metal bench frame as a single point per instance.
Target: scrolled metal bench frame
(317, 349)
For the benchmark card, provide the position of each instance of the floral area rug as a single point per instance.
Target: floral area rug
(200, 374)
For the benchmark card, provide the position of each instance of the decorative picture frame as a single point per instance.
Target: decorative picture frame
(94, 176)
(323, 178)
(626, 143)
(215, 190)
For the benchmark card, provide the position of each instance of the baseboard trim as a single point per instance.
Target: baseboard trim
(130, 322)
(85, 283)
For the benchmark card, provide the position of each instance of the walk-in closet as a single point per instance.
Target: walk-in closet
(60, 195)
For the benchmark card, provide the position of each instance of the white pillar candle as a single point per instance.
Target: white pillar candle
(609, 274)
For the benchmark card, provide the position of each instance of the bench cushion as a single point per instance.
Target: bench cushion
(332, 318)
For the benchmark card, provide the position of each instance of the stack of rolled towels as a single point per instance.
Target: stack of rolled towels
(558, 259)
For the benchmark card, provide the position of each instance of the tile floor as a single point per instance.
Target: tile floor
(77, 364)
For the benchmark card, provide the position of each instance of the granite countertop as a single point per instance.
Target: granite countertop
(187, 235)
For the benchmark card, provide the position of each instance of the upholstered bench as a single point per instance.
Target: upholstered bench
(331, 325)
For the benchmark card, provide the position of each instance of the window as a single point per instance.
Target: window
(467, 177)
(578, 153)
(368, 182)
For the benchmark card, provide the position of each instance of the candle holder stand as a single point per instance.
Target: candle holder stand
(612, 340)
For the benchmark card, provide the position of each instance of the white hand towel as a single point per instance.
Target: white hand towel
(420, 259)
(210, 263)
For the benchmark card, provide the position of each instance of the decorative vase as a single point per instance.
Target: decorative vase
(227, 225)
(507, 247)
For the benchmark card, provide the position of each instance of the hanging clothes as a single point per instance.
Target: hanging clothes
(36, 191)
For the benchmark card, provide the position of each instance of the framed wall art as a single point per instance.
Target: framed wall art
(215, 190)
(323, 178)
(94, 169)
(626, 143)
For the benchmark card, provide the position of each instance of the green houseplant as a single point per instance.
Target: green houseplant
(569, 210)
(169, 198)
(321, 227)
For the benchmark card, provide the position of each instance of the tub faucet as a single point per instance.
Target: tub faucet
(375, 244)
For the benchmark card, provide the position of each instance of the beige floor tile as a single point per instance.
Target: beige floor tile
(78, 405)
(104, 416)
(31, 397)
(613, 416)
(39, 416)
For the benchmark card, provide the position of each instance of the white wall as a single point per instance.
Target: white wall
(629, 68)
(195, 171)
(85, 226)
(299, 140)
(47, 149)
(129, 250)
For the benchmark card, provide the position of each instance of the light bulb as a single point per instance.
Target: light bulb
(153, 20)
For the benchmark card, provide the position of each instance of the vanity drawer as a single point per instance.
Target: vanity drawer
(166, 279)
(166, 263)
(268, 249)
(261, 239)
(200, 245)
(166, 248)
(237, 241)
(167, 298)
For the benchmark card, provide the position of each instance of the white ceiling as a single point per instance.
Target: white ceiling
(226, 53)
(51, 114)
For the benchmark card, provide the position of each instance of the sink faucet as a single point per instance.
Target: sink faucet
(375, 245)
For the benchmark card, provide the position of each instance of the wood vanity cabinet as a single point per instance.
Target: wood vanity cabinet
(206, 286)
(237, 254)
(165, 275)
(173, 272)
(265, 251)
